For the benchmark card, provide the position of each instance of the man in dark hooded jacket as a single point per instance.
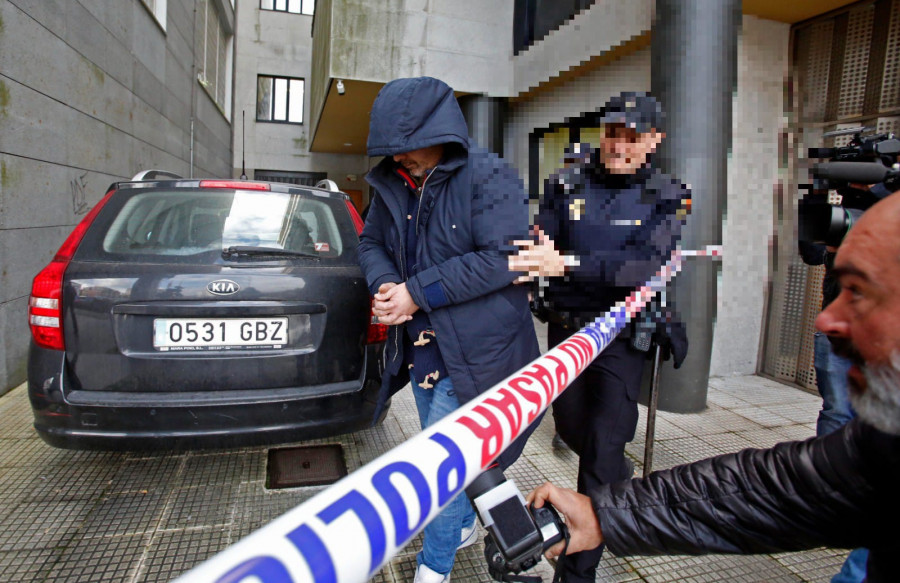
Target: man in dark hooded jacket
(433, 251)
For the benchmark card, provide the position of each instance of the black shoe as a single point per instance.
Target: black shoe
(558, 442)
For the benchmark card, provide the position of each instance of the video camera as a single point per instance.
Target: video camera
(865, 160)
(518, 534)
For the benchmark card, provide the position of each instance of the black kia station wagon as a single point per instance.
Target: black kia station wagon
(204, 313)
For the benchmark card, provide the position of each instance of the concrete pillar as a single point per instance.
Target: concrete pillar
(694, 74)
(485, 117)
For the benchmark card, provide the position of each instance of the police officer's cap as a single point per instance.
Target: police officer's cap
(636, 110)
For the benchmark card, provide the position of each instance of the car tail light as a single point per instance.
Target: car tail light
(354, 214)
(235, 184)
(45, 304)
(376, 332)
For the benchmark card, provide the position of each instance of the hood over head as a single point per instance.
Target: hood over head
(410, 114)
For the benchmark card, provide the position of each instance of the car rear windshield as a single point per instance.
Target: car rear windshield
(187, 225)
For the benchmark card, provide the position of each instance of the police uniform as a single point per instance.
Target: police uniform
(615, 232)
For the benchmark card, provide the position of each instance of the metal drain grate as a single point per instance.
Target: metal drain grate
(314, 465)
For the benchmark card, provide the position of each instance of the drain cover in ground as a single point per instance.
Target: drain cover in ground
(316, 465)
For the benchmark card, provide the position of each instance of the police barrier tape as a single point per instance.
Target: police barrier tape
(347, 532)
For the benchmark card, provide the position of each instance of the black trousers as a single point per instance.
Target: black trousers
(596, 416)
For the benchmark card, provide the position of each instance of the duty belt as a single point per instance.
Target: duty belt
(572, 320)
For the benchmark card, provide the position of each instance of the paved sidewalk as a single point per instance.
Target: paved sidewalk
(96, 516)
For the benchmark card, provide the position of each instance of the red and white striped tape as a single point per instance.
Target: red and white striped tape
(347, 532)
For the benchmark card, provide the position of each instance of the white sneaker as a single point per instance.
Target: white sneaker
(426, 575)
(468, 538)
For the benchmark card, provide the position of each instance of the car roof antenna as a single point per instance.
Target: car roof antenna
(243, 141)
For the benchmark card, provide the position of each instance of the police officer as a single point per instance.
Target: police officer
(608, 221)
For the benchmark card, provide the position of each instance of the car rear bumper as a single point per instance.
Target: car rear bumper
(82, 419)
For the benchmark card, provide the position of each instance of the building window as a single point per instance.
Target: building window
(292, 6)
(279, 99)
(213, 52)
(158, 9)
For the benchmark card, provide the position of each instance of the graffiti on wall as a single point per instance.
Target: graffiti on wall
(78, 187)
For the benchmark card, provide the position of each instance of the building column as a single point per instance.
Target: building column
(485, 117)
(694, 74)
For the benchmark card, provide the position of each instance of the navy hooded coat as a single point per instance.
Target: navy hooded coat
(472, 206)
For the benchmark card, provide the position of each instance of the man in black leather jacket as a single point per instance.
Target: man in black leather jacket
(838, 490)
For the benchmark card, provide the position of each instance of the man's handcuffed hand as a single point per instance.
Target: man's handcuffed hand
(584, 528)
(393, 304)
(537, 258)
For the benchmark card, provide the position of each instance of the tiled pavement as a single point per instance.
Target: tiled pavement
(95, 516)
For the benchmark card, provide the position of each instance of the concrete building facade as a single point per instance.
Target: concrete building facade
(274, 41)
(92, 92)
(551, 63)
(601, 49)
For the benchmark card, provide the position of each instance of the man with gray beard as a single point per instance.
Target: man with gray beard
(838, 490)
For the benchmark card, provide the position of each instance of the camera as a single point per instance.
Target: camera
(518, 534)
(865, 160)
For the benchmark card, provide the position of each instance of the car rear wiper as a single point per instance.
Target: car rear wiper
(236, 251)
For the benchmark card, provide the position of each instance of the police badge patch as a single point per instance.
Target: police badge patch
(576, 209)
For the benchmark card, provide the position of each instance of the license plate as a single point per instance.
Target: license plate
(183, 334)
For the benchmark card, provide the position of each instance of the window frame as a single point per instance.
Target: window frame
(158, 9)
(287, 6)
(219, 88)
(287, 100)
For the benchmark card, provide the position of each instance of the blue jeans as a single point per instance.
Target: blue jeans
(831, 379)
(854, 568)
(442, 535)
